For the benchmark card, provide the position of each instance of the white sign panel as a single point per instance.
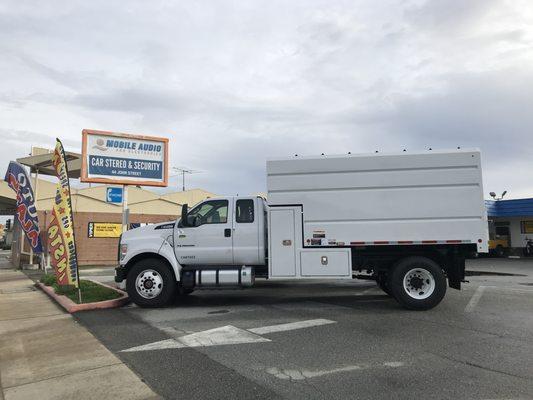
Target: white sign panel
(109, 157)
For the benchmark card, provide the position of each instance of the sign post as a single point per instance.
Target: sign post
(125, 209)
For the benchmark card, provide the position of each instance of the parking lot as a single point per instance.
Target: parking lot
(333, 340)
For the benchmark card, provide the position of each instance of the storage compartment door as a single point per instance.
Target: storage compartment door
(282, 246)
(324, 262)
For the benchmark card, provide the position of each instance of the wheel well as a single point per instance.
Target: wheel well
(144, 256)
(382, 259)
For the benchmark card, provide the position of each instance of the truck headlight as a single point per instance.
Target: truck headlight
(123, 251)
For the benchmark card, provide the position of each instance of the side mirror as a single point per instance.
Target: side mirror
(184, 211)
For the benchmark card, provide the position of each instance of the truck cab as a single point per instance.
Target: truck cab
(222, 231)
(222, 242)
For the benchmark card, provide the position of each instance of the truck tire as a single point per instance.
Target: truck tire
(151, 283)
(417, 283)
(181, 291)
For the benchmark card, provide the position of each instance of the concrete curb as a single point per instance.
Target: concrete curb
(72, 307)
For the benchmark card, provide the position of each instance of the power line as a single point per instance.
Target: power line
(183, 171)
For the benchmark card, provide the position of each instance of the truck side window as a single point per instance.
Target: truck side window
(244, 211)
(209, 212)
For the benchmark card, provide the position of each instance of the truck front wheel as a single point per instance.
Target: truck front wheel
(418, 283)
(150, 283)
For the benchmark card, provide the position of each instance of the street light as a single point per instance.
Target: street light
(493, 195)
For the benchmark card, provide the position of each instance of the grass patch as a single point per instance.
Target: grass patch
(90, 291)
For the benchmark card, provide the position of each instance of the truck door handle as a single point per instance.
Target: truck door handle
(227, 232)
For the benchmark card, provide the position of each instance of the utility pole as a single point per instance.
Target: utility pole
(183, 171)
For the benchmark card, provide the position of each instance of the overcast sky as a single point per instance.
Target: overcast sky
(234, 82)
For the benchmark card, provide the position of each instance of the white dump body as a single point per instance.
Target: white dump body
(430, 197)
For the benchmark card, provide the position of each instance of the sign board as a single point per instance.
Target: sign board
(113, 195)
(109, 157)
(104, 230)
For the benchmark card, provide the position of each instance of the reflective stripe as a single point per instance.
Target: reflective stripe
(408, 242)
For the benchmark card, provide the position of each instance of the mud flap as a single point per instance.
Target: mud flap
(456, 270)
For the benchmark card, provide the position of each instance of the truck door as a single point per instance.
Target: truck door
(209, 240)
(246, 232)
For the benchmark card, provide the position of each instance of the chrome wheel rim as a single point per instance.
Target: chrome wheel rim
(149, 284)
(419, 283)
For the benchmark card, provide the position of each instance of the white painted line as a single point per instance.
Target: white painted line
(512, 289)
(221, 336)
(161, 345)
(212, 337)
(475, 299)
(298, 375)
(263, 330)
(225, 335)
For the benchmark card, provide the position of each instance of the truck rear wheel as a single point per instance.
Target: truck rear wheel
(417, 283)
(150, 283)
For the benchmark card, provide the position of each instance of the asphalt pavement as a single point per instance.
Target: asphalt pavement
(332, 340)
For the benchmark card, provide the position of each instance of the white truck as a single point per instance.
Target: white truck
(406, 220)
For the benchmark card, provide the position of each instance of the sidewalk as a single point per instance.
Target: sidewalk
(45, 354)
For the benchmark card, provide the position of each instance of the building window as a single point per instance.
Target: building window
(244, 211)
(526, 226)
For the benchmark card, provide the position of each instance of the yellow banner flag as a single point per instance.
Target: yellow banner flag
(62, 245)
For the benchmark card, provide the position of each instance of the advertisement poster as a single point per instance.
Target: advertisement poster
(62, 245)
(109, 157)
(26, 213)
(104, 230)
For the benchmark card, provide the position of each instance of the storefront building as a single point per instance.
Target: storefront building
(510, 224)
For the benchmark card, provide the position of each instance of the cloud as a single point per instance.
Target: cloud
(236, 83)
(449, 15)
(490, 110)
